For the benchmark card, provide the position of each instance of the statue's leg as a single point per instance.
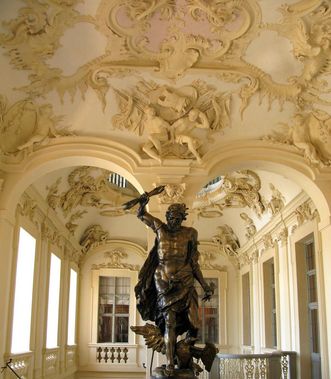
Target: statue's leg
(170, 340)
(193, 317)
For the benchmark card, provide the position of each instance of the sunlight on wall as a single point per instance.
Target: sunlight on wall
(23, 293)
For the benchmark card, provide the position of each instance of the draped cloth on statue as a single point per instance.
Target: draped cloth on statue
(179, 295)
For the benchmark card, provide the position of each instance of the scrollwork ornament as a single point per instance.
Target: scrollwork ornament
(173, 193)
(207, 261)
(115, 259)
(92, 237)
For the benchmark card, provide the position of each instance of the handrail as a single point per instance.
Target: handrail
(3, 368)
(278, 364)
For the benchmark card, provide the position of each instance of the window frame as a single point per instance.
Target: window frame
(30, 227)
(96, 273)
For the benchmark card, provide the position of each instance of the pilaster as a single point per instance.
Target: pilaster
(282, 250)
(7, 230)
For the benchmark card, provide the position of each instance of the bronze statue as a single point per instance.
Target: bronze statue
(166, 295)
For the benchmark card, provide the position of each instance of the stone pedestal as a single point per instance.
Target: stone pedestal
(160, 373)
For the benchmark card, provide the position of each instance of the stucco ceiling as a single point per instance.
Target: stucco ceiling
(173, 83)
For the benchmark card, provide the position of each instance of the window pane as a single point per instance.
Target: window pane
(53, 301)
(121, 329)
(208, 314)
(23, 293)
(114, 307)
(72, 308)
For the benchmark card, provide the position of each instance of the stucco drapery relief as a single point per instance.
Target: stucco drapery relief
(26, 124)
(177, 121)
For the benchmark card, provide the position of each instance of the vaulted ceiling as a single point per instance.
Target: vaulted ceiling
(173, 83)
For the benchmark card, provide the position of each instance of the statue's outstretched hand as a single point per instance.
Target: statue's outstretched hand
(209, 292)
(144, 199)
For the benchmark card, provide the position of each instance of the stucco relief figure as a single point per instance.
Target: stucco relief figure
(165, 291)
(25, 124)
(184, 127)
(227, 240)
(170, 118)
(277, 201)
(158, 134)
(310, 133)
(92, 236)
(250, 227)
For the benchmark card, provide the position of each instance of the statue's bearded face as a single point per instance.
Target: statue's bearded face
(174, 220)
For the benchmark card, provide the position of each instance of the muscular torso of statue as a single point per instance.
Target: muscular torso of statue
(173, 249)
